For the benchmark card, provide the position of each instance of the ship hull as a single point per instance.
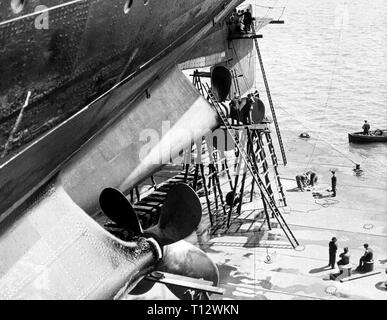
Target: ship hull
(88, 47)
(24, 173)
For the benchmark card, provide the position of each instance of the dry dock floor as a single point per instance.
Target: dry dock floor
(255, 263)
(357, 215)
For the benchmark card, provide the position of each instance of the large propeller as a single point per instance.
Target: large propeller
(179, 217)
(118, 209)
(185, 259)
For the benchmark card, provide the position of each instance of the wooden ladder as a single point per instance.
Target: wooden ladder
(253, 169)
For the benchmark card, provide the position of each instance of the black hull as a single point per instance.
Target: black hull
(24, 173)
(359, 137)
(88, 48)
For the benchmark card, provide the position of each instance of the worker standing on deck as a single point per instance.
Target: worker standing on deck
(366, 128)
(332, 252)
(334, 183)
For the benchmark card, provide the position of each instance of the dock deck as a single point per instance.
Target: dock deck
(256, 263)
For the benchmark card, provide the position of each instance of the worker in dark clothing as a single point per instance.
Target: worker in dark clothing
(367, 256)
(240, 20)
(344, 258)
(385, 284)
(332, 252)
(366, 128)
(334, 183)
(256, 95)
(301, 181)
(236, 25)
(247, 20)
(234, 109)
(246, 109)
(312, 177)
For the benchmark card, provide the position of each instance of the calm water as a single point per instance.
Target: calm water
(327, 68)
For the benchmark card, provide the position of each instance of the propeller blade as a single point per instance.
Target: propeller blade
(184, 259)
(258, 112)
(179, 216)
(142, 287)
(118, 209)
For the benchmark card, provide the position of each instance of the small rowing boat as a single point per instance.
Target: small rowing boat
(374, 136)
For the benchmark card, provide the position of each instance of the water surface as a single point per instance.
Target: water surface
(327, 68)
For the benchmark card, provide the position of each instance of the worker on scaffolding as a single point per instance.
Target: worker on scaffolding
(232, 19)
(234, 109)
(241, 15)
(247, 20)
(235, 22)
(256, 95)
(245, 114)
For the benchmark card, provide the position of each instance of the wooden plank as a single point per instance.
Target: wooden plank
(245, 36)
(189, 179)
(187, 282)
(144, 202)
(165, 188)
(233, 228)
(363, 275)
(257, 126)
(181, 175)
(160, 193)
(142, 207)
(154, 198)
(202, 74)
